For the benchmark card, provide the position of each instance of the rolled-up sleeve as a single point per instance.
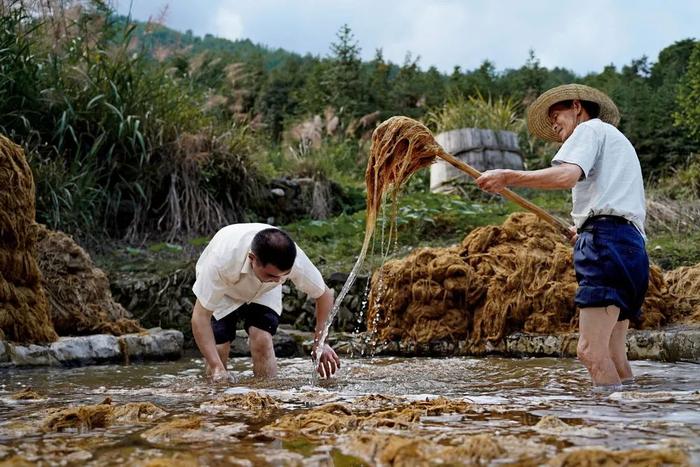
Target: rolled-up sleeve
(306, 276)
(209, 286)
(581, 148)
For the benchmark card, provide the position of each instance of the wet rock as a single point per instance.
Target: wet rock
(338, 278)
(521, 344)
(31, 355)
(645, 345)
(156, 344)
(86, 350)
(682, 345)
(4, 354)
(669, 345)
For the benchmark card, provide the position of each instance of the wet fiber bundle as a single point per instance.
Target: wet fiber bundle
(24, 309)
(502, 279)
(78, 292)
(684, 284)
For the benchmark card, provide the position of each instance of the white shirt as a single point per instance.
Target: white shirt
(225, 278)
(612, 177)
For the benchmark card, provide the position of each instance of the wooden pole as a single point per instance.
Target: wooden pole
(508, 194)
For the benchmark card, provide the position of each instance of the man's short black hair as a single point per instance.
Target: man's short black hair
(276, 247)
(592, 109)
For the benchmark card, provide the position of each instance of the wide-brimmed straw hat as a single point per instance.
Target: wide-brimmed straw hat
(538, 113)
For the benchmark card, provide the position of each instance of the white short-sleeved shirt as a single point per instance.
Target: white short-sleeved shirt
(612, 177)
(225, 278)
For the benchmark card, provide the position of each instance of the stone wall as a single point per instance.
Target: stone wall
(166, 300)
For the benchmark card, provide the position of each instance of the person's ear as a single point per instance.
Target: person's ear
(251, 256)
(576, 105)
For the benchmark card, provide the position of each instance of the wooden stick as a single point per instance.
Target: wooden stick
(508, 194)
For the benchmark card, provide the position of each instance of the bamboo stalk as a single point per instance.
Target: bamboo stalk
(508, 194)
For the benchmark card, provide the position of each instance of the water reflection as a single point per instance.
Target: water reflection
(508, 399)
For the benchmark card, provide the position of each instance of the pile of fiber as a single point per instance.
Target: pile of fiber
(684, 284)
(81, 302)
(24, 309)
(502, 279)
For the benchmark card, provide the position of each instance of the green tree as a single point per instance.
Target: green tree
(688, 114)
(342, 80)
(378, 81)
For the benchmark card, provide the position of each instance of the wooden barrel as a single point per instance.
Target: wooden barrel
(482, 149)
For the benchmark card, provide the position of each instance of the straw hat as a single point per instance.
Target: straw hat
(538, 113)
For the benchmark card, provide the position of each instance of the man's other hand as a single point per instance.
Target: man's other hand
(328, 362)
(493, 181)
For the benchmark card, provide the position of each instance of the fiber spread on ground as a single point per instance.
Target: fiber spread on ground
(25, 395)
(250, 404)
(24, 309)
(518, 276)
(88, 417)
(590, 457)
(78, 292)
(334, 419)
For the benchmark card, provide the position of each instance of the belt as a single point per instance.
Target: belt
(605, 218)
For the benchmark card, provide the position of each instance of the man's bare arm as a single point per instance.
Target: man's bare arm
(562, 176)
(328, 361)
(204, 337)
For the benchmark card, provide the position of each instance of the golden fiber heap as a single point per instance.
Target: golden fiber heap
(24, 309)
(78, 291)
(502, 279)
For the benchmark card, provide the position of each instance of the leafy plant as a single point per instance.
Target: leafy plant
(476, 111)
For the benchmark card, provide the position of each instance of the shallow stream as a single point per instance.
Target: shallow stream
(500, 412)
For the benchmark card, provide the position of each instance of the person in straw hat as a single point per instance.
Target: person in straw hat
(601, 167)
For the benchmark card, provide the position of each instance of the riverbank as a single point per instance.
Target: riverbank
(676, 344)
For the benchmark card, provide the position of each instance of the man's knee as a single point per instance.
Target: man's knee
(260, 341)
(590, 355)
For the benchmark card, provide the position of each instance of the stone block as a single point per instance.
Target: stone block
(682, 345)
(86, 350)
(4, 352)
(645, 345)
(156, 344)
(32, 355)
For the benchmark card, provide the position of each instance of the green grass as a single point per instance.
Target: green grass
(671, 251)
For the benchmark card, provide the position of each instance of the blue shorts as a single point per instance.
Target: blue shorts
(252, 314)
(612, 266)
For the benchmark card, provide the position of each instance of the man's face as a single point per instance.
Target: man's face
(267, 273)
(563, 119)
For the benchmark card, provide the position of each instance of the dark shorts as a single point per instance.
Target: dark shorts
(252, 314)
(612, 266)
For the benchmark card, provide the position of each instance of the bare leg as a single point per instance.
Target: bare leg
(618, 350)
(596, 327)
(263, 353)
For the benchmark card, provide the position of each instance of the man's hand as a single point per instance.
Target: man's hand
(221, 376)
(493, 181)
(573, 235)
(328, 362)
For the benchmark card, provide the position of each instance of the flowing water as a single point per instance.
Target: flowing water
(506, 399)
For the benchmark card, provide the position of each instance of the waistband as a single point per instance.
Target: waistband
(604, 218)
